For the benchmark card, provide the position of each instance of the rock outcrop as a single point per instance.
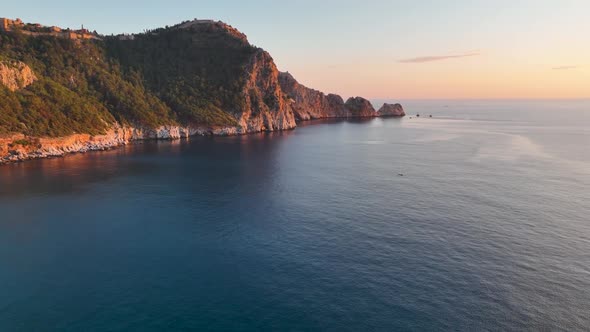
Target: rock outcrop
(308, 104)
(360, 107)
(19, 147)
(16, 75)
(391, 110)
(200, 77)
(266, 107)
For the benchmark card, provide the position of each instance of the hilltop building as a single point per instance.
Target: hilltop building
(7, 24)
(78, 34)
(37, 29)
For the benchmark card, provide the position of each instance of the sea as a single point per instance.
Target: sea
(473, 216)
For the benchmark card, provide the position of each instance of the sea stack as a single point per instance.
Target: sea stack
(391, 110)
(360, 107)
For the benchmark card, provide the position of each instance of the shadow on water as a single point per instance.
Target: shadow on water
(75, 173)
(68, 174)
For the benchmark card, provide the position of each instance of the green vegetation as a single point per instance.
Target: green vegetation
(198, 72)
(22, 142)
(167, 76)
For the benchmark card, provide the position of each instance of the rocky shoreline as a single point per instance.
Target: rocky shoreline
(19, 147)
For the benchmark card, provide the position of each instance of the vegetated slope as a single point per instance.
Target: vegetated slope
(198, 74)
(78, 89)
(193, 74)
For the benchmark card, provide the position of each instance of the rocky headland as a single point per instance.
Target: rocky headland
(61, 95)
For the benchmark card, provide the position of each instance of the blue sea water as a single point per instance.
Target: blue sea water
(313, 229)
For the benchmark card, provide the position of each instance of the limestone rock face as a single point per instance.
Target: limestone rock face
(337, 107)
(16, 75)
(266, 107)
(311, 104)
(308, 103)
(19, 147)
(360, 107)
(391, 110)
(213, 62)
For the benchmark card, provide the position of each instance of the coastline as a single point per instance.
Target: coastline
(18, 147)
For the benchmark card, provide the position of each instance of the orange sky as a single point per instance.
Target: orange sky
(482, 76)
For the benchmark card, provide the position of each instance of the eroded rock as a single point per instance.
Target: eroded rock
(16, 75)
(360, 107)
(391, 110)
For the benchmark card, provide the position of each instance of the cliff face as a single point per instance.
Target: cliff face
(266, 108)
(16, 75)
(19, 147)
(197, 78)
(310, 104)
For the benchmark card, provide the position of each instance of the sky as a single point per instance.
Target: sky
(430, 49)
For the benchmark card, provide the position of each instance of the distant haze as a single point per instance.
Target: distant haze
(380, 48)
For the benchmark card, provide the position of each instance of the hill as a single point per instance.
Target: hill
(198, 77)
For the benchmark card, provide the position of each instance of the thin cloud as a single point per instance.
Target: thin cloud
(432, 58)
(565, 67)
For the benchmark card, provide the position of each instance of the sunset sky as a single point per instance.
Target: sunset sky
(381, 48)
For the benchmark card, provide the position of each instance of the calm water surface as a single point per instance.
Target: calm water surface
(312, 229)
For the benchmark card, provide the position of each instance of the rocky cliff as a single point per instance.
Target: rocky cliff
(209, 75)
(16, 75)
(199, 77)
(266, 107)
(19, 147)
(310, 104)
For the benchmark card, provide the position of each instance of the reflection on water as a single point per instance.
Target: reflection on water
(74, 172)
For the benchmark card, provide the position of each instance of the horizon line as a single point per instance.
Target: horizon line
(487, 98)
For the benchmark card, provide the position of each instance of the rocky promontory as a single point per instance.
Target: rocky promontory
(311, 104)
(60, 94)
